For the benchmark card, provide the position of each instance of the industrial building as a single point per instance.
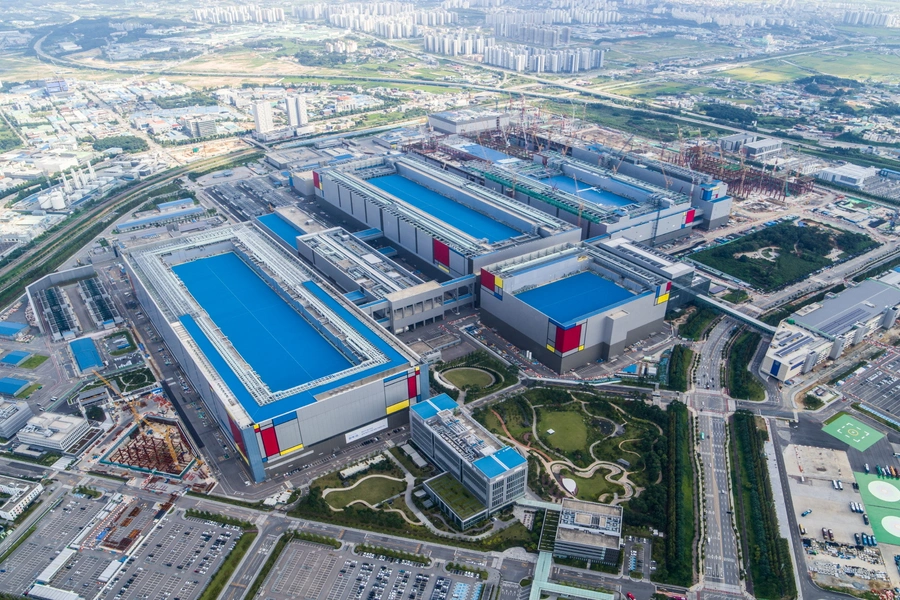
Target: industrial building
(574, 303)
(13, 416)
(467, 121)
(161, 218)
(762, 150)
(850, 175)
(101, 308)
(481, 474)
(19, 494)
(386, 291)
(440, 218)
(589, 531)
(54, 431)
(826, 329)
(287, 370)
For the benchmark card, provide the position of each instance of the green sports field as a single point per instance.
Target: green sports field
(881, 495)
(858, 435)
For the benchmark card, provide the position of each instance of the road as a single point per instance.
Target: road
(720, 568)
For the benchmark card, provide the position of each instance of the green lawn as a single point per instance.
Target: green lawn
(592, 488)
(465, 376)
(29, 390)
(34, 361)
(373, 491)
(570, 431)
(456, 496)
(767, 72)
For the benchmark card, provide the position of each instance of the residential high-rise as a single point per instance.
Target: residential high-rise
(262, 115)
(296, 111)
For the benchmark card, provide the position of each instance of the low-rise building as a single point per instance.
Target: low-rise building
(13, 416)
(589, 531)
(826, 329)
(20, 494)
(53, 431)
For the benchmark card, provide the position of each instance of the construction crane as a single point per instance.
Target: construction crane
(624, 151)
(139, 418)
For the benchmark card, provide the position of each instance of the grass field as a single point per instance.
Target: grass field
(591, 489)
(570, 432)
(34, 361)
(29, 390)
(774, 71)
(465, 376)
(855, 433)
(854, 65)
(372, 490)
(666, 88)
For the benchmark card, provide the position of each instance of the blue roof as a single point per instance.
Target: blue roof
(586, 191)
(499, 462)
(172, 214)
(486, 153)
(459, 216)
(428, 408)
(175, 203)
(11, 327)
(281, 346)
(86, 355)
(15, 357)
(566, 300)
(11, 386)
(283, 228)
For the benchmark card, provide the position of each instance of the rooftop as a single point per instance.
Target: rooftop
(590, 523)
(281, 227)
(273, 340)
(470, 440)
(466, 115)
(836, 316)
(460, 500)
(465, 219)
(576, 296)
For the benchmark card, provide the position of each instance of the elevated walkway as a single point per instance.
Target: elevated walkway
(736, 314)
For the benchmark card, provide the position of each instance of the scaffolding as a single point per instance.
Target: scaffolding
(155, 454)
(743, 179)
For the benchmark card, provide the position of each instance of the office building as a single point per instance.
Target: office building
(19, 496)
(53, 431)
(296, 111)
(481, 474)
(589, 531)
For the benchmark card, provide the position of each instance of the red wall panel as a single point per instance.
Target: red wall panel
(487, 280)
(568, 339)
(441, 252)
(236, 434)
(689, 216)
(412, 386)
(270, 441)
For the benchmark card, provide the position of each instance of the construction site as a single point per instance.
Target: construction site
(156, 445)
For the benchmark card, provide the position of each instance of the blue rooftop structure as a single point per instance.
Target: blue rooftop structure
(281, 227)
(85, 352)
(488, 154)
(282, 347)
(586, 191)
(172, 215)
(568, 299)
(11, 328)
(460, 216)
(175, 204)
(12, 386)
(499, 462)
(15, 358)
(428, 408)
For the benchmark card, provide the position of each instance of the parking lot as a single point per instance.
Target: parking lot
(308, 570)
(879, 385)
(54, 532)
(176, 560)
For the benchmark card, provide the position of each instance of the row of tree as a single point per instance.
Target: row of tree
(766, 554)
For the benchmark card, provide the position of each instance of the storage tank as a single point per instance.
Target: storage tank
(44, 201)
(58, 201)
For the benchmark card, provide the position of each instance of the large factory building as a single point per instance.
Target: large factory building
(442, 219)
(573, 304)
(287, 370)
(599, 200)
